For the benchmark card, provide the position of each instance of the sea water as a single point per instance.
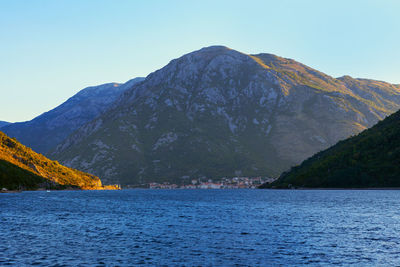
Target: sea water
(200, 227)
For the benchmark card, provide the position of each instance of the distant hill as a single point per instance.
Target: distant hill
(3, 123)
(51, 128)
(218, 112)
(22, 168)
(370, 159)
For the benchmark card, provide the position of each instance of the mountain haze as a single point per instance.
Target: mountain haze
(218, 112)
(51, 128)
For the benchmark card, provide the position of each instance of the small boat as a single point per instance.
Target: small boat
(48, 191)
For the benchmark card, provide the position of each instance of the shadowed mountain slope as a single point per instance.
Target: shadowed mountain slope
(370, 159)
(217, 112)
(51, 128)
(3, 123)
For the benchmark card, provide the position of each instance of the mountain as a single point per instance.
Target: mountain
(218, 112)
(370, 159)
(3, 123)
(13, 177)
(51, 128)
(21, 167)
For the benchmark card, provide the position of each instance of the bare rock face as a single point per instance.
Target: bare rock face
(217, 112)
(51, 128)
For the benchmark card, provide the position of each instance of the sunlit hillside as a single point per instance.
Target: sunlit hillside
(22, 168)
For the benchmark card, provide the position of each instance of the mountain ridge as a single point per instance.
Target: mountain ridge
(218, 112)
(50, 128)
(4, 123)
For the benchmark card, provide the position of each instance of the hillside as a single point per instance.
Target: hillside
(21, 167)
(3, 123)
(218, 112)
(13, 177)
(370, 159)
(51, 128)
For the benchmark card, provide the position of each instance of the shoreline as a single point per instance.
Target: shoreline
(231, 189)
(51, 190)
(335, 188)
(10, 191)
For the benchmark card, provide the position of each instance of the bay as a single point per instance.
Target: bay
(201, 228)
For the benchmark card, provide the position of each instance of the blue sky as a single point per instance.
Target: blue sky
(49, 50)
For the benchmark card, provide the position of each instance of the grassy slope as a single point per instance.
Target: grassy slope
(370, 159)
(20, 164)
(13, 177)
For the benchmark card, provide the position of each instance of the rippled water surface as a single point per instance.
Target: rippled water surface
(200, 227)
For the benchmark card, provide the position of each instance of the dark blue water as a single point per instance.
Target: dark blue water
(200, 227)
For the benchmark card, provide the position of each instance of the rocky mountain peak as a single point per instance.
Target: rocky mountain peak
(210, 67)
(200, 62)
(216, 112)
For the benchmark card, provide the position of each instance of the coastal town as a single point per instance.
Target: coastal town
(223, 183)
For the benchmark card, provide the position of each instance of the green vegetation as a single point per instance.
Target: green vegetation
(218, 112)
(22, 168)
(370, 159)
(13, 177)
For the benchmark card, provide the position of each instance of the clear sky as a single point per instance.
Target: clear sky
(49, 50)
